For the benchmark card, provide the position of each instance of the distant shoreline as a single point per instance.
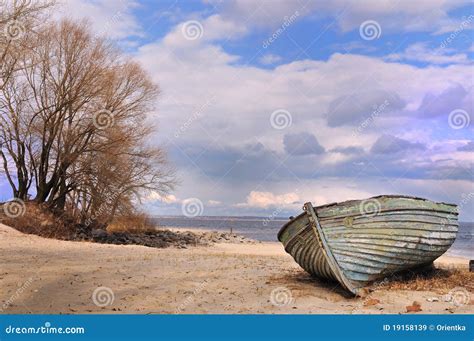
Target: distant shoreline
(446, 258)
(220, 217)
(266, 230)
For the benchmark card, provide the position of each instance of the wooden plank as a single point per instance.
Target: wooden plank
(338, 241)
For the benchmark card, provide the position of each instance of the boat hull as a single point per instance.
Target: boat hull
(357, 242)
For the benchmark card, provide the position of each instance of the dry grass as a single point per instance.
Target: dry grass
(38, 220)
(35, 219)
(430, 279)
(134, 223)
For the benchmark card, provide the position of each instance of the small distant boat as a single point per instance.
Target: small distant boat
(357, 242)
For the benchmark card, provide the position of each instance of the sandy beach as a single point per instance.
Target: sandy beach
(39, 275)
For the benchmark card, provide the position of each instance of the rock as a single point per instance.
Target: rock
(432, 299)
(165, 238)
(99, 234)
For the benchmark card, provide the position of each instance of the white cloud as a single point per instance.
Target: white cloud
(420, 52)
(214, 202)
(240, 100)
(218, 28)
(456, 27)
(198, 31)
(261, 13)
(243, 98)
(393, 16)
(110, 18)
(269, 59)
(154, 196)
(396, 16)
(267, 199)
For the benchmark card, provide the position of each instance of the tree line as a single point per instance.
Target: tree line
(74, 129)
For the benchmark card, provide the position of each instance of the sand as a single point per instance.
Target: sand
(39, 275)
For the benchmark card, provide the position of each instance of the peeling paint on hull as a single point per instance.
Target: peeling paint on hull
(342, 242)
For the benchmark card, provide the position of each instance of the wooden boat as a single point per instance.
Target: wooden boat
(359, 241)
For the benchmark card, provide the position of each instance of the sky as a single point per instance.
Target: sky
(265, 105)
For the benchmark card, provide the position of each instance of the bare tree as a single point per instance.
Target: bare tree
(18, 19)
(76, 114)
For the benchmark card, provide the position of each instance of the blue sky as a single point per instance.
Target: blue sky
(265, 105)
